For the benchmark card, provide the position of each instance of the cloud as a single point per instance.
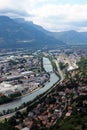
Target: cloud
(14, 13)
(54, 15)
(61, 16)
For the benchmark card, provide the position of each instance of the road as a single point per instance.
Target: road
(59, 71)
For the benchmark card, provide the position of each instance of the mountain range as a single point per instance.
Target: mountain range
(71, 37)
(18, 33)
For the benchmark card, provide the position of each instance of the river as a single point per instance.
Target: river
(53, 79)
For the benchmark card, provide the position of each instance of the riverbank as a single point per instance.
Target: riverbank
(16, 104)
(38, 98)
(33, 102)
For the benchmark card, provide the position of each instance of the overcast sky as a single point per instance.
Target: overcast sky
(54, 15)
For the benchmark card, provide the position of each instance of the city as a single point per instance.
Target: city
(23, 75)
(43, 65)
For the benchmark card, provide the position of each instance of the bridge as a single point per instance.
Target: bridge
(47, 64)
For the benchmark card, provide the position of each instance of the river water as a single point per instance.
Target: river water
(53, 79)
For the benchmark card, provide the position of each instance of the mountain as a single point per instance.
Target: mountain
(17, 33)
(71, 37)
(21, 20)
